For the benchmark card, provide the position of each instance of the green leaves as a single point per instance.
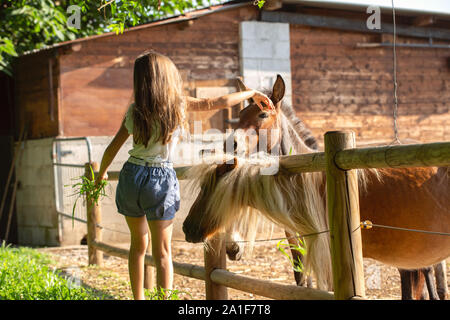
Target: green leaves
(125, 14)
(7, 46)
(7, 51)
(300, 248)
(29, 25)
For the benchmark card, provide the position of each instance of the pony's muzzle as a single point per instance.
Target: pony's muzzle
(234, 251)
(190, 237)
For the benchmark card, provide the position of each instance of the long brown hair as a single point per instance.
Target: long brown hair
(158, 100)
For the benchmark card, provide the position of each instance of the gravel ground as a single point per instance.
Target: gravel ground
(382, 282)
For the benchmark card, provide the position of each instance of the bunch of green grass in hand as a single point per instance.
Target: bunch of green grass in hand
(88, 189)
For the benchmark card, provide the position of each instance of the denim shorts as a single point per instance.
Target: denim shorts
(150, 191)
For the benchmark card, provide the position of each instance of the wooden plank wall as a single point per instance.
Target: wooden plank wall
(34, 95)
(338, 87)
(96, 81)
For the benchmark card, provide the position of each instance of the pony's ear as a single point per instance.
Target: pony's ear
(278, 90)
(225, 167)
(241, 84)
(243, 87)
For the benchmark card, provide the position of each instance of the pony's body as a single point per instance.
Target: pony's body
(415, 198)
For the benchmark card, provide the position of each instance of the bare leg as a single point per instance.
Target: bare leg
(138, 246)
(161, 237)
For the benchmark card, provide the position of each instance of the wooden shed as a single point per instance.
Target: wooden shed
(339, 75)
(341, 71)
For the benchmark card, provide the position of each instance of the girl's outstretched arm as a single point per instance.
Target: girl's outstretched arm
(111, 151)
(227, 101)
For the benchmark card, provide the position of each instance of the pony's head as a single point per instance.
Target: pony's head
(256, 124)
(278, 131)
(252, 117)
(197, 227)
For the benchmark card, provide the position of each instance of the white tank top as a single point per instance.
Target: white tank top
(155, 152)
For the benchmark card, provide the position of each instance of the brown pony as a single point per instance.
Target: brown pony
(381, 196)
(413, 281)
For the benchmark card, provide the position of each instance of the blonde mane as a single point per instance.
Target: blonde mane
(293, 201)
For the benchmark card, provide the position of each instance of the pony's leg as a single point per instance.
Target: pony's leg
(419, 289)
(431, 286)
(412, 284)
(300, 278)
(406, 284)
(440, 272)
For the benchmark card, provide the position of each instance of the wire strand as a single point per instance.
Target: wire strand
(282, 238)
(412, 230)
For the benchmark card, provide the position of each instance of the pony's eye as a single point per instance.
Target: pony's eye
(263, 115)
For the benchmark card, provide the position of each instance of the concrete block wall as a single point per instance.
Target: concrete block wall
(35, 199)
(264, 52)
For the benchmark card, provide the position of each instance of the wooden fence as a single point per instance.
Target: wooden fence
(338, 161)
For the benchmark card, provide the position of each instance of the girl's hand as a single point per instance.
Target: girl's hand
(262, 101)
(100, 178)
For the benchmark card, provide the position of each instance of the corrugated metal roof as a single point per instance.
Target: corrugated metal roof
(362, 5)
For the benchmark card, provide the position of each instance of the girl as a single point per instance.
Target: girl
(148, 192)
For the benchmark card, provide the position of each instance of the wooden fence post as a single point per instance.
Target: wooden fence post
(344, 220)
(215, 258)
(94, 216)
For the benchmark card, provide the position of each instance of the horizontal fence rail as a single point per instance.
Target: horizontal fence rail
(335, 160)
(396, 156)
(223, 277)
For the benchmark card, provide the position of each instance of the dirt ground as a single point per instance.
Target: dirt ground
(382, 282)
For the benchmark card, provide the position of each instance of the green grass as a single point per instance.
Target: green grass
(25, 275)
(164, 294)
(300, 248)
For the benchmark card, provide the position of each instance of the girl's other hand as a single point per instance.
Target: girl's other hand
(100, 178)
(262, 101)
